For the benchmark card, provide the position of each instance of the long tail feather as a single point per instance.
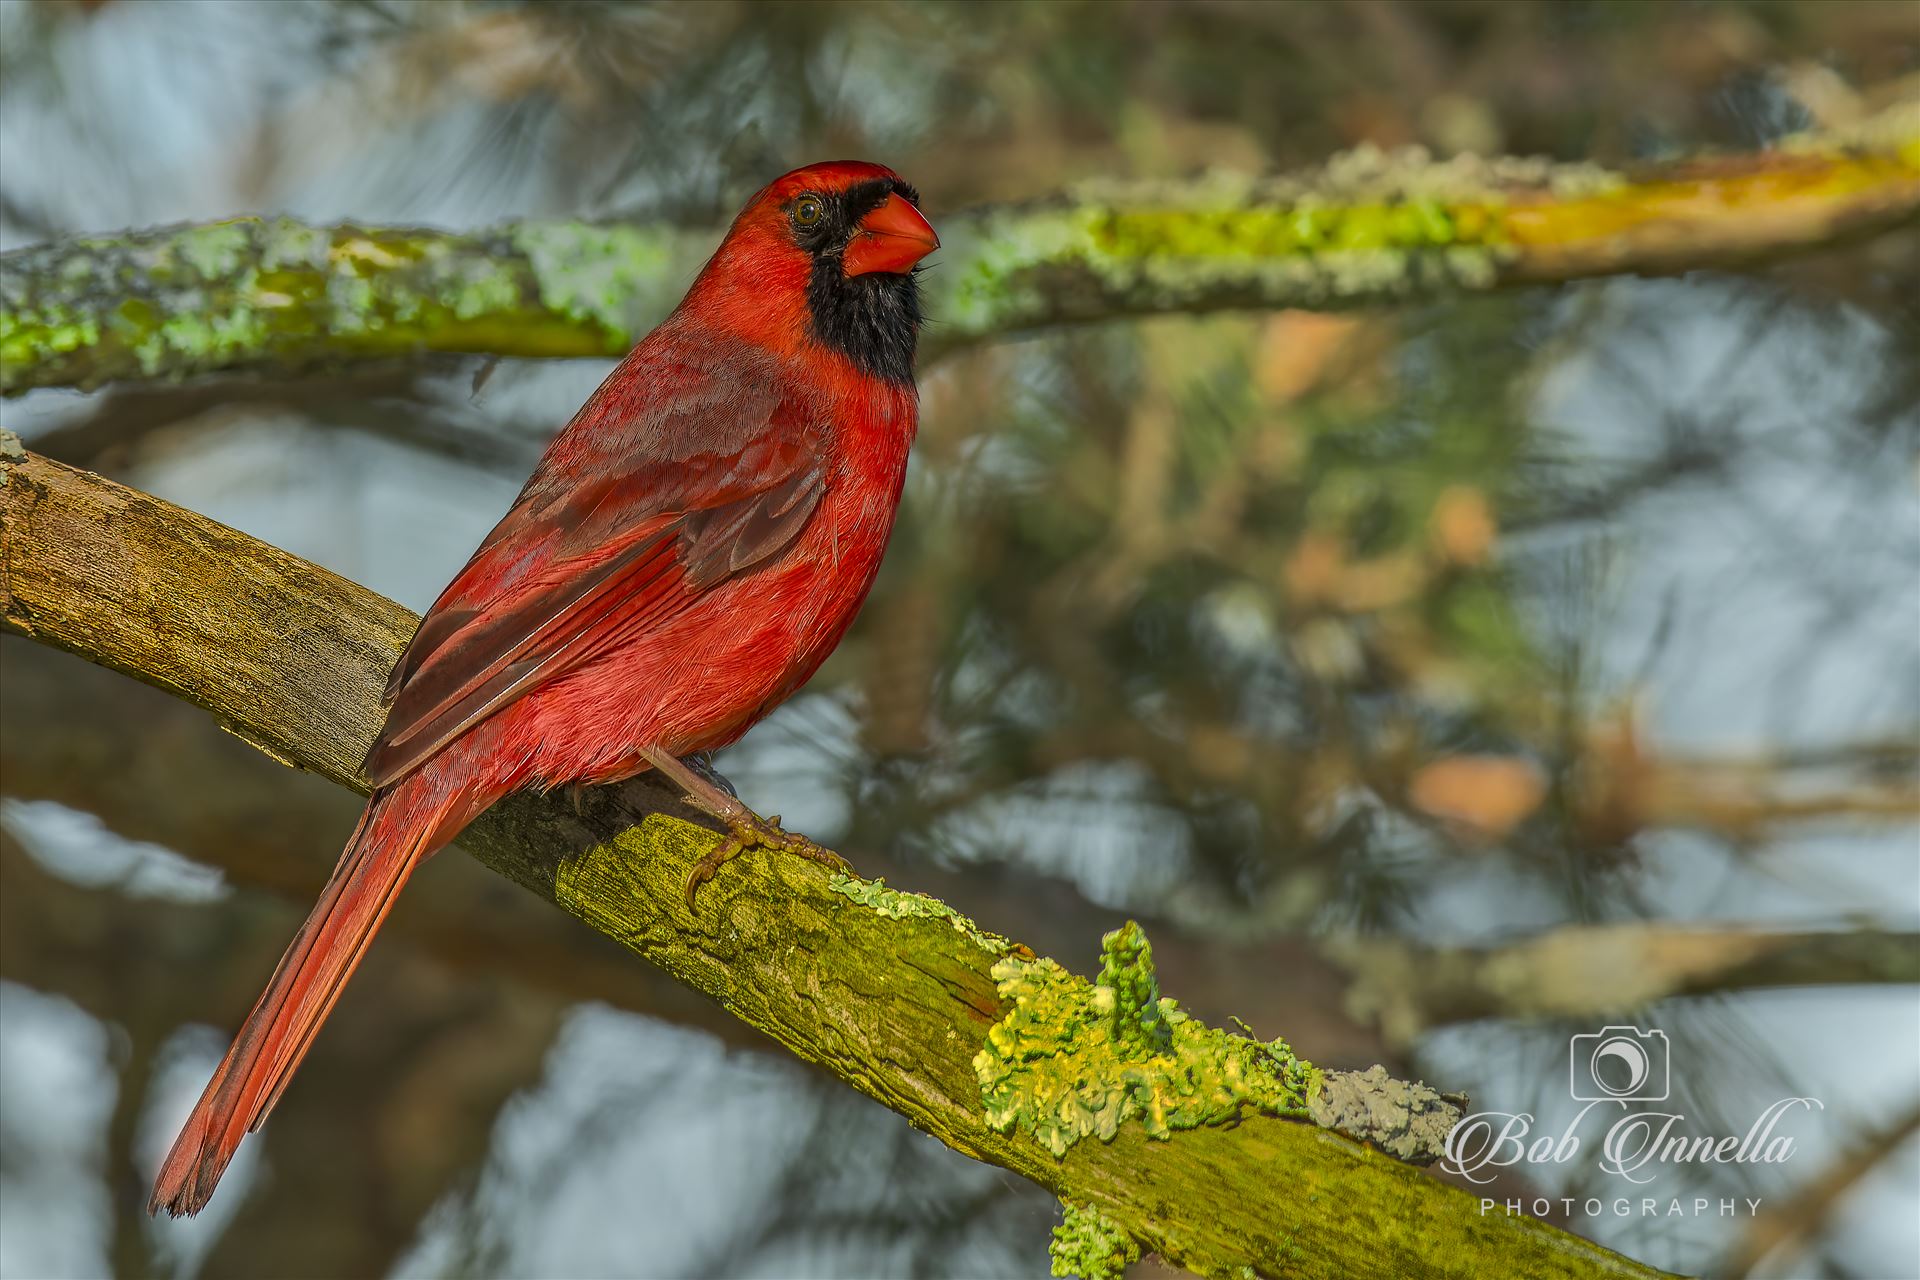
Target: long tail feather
(400, 827)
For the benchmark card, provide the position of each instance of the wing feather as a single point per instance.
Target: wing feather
(727, 540)
(694, 492)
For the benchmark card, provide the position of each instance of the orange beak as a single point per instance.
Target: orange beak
(891, 239)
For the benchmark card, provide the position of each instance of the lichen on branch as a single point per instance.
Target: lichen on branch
(1072, 1059)
(276, 295)
(1089, 1244)
(887, 991)
(896, 905)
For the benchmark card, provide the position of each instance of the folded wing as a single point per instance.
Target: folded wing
(643, 506)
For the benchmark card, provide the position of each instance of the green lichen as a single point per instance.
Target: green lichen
(1308, 249)
(211, 337)
(1280, 231)
(896, 905)
(1129, 993)
(478, 288)
(178, 301)
(1072, 1059)
(998, 265)
(30, 335)
(1371, 225)
(1089, 1244)
(217, 250)
(289, 245)
(611, 276)
(353, 304)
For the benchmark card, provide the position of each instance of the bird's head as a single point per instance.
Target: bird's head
(826, 254)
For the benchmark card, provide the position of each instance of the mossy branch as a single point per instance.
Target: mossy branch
(277, 295)
(1217, 1152)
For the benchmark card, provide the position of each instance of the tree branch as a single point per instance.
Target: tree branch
(1595, 970)
(276, 295)
(1801, 1219)
(77, 735)
(904, 1000)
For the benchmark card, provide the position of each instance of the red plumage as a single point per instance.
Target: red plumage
(690, 548)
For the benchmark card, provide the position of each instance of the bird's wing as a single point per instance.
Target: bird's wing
(644, 504)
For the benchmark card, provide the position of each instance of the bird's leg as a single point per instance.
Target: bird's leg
(701, 762)
(746, 829)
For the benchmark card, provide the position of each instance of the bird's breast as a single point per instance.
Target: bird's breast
(867, 470)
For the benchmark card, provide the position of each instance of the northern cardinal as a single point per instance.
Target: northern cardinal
(690, 548)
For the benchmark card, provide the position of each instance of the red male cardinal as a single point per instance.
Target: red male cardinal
(687, 553)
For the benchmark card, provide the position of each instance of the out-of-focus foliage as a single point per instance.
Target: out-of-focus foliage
(1447, 622)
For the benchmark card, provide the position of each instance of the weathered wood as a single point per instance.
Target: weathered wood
(891, 992)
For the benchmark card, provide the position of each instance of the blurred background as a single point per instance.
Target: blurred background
(1297, 637)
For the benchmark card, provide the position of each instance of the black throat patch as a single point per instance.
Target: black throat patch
(873, 319)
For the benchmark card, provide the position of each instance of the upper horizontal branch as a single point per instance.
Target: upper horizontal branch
(255, 294)
(968, 1035)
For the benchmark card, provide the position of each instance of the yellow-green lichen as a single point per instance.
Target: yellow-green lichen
(1073, 1059)
(1368, 225)
(1372, 224)
(1287, 230)
(1089, 1244)
(178, 301)
(32, 335)
(896, 905)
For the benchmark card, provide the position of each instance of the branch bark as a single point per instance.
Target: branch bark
(75, 735)
(891, 992)
(1595, 970)
(279, 296)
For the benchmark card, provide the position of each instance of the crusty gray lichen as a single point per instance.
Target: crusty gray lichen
(1403, 1118)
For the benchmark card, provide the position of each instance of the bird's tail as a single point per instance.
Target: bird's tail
(401, 826)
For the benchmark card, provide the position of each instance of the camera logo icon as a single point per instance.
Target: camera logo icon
(1620, 1064)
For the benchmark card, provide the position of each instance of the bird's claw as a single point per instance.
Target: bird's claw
(758, 833)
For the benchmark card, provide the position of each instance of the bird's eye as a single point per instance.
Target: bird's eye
(808, 210)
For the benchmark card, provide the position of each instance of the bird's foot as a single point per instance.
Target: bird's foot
(752, 832)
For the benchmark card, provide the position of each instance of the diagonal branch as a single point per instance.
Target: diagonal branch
(274, 295)
(957, 1029)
